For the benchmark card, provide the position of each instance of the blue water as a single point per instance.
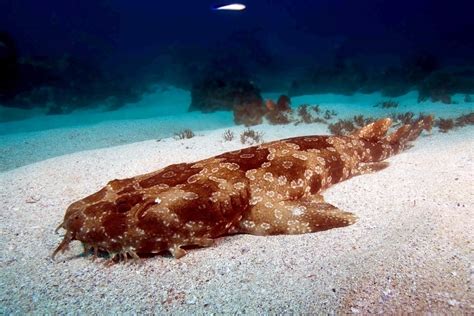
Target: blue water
(95, 90)
(84, 75)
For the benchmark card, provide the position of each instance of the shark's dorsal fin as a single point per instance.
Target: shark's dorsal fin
(374, 131)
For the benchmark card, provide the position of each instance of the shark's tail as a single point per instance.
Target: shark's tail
(382, 145)
(409, 132)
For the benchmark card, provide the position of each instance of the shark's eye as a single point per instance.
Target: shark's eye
(123, 206)
(125, 203)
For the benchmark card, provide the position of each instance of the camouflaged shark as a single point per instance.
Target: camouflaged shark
(272, 188)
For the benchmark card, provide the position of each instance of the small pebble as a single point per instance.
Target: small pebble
(354, 310)
(453, 302)
(191, 301)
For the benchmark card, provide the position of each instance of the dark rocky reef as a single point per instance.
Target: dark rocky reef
(215, 94)
(8, 66)
(442, 84)
(64, 84)
(60, 84)
(421, 71)
(342, 77)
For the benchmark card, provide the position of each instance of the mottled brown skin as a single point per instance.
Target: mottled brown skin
(273, 188)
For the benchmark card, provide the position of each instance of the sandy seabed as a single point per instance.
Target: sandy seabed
(411, 250)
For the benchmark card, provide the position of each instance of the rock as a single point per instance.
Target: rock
(249, 114)
(8, 65)
(214, 94)
(453, 302)
(440, 85)
(343, 77)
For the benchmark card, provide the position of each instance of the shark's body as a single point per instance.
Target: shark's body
(273, 188)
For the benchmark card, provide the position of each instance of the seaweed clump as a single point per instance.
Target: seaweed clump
(361, 121)
(279, 113)
(407, 118)
(463, 120)
(249, 113)
(305, 116)
(403, 118)
(253, 113)
(284, 103)
(341, 127)
(329, 114)
(345, 127)
(445, 125)
(387, 104)
(250, 137)
(228, 135)
(185, 134)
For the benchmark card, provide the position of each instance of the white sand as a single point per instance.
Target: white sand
(411, 250)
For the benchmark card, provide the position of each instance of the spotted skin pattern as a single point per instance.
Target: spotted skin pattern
(273, 188)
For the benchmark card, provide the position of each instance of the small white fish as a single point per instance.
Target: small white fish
(229, 7)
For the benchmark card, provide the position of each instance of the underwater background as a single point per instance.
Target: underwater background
(79, 64)
(92, 91)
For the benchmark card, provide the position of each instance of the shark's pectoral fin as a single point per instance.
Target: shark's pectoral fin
(365, 168)
(323, 216)
(309, 214)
